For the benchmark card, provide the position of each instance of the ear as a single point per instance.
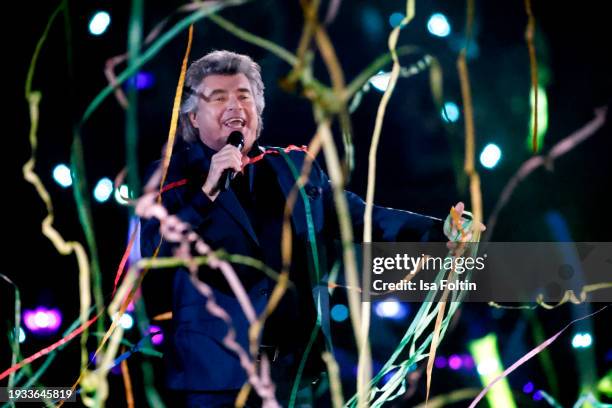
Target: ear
(192, 119)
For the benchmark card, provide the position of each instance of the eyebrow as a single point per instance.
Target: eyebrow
(221, 92)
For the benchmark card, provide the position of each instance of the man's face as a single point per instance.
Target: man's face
(226, 104)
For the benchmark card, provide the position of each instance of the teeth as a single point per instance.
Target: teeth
(235, 122)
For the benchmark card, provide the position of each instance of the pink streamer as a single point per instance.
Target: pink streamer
(561, 148)
(173, 229)
(528, 356)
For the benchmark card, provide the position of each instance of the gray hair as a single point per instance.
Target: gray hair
(218, 63)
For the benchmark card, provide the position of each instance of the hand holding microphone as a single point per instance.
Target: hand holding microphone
(235, 139)
(224, 164)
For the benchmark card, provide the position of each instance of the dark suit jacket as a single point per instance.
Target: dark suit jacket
(196, 358)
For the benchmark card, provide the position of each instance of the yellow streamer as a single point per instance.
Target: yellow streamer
(175, 112)
(62, 246)
(364, 367)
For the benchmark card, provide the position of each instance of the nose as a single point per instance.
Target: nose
(233, 103)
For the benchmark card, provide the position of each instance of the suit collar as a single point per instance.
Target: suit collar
(198, 162)
(228, 200)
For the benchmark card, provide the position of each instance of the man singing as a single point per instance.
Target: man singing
(224, 94)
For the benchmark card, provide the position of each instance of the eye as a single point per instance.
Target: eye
(244, 97)
(219, 98)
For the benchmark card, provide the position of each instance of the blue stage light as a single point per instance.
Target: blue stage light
(21, 337)
(121, 194)
(395, 19)
(582, 340)
(62, 176)
(438, 25)
(339, 313)
(126, 321)
(103, 190)
(391, 309)
(380, 81)
(452, 112)
(490, 156)
(99, 23)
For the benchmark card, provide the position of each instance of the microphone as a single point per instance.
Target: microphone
(235, 139)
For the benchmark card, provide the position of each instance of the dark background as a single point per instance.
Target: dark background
(415, 170)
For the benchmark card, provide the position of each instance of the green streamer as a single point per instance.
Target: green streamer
(131, 125)
(268, 45)
(152, 51)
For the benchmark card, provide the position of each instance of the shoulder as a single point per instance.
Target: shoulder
(293, 158)
(186, 161)
(297, 154)
(183, 177)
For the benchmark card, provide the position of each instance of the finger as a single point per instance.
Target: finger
(234, 164)
(229, 153)
(460, 207)
(227, 160)
(228, 165)
(230, 148)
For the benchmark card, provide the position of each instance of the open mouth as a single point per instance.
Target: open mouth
(235, 123)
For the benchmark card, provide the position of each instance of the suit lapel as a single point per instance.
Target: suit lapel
(228, 200)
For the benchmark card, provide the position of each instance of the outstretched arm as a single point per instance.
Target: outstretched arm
(388, 224)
